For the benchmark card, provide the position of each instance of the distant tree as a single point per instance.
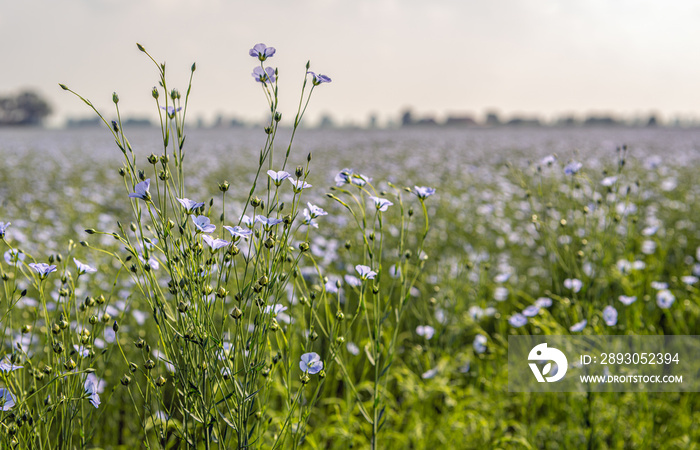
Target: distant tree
(406, 118)
(25, 108)
(326, 121)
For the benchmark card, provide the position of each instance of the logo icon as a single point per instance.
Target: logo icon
(542, 353)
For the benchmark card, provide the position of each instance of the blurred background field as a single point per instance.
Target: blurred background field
(508, 227)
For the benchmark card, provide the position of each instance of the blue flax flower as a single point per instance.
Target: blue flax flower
(237, 231)
(261, 51)
(382, 204)
(90, 386)
(215, 244)
(423, 191)
(366, 272)
(190, 205)
(479, 343)
(664, 298)
(203, 224)
(268, 222)
(7, 400)
(315, 211)
(278, 177)
(141, 190)
(309, 219)
(578, 326)
(7, 366)
(426, 331)
(42, 269)
(627, 300)
(343, 177)
(610, 316)
(299, 185)
(311, 363)
(517, 320)
(319, 79)
(263, 75)
(84, 268)
(3, 229)
(572, 168)
(171, 110)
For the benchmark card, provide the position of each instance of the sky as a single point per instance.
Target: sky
(541, 58)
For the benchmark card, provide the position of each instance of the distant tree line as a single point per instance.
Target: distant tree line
(25, 108)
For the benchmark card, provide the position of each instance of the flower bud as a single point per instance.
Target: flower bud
(160, 381)
(140, 343)
(58, 348)
(223, 186)
(26, 329)
(152, 159)
(304, 247)
(115, 98)
(93, 319)
(155, 93)
(70, 364)
(339, 315)
(115, 326)
(133, 367)
(299, 172)
(255, 202)
(182, 307)
(150, 364)
(125, 380)
(313, 336)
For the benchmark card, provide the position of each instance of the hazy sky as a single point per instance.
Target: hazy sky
(542, 57)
